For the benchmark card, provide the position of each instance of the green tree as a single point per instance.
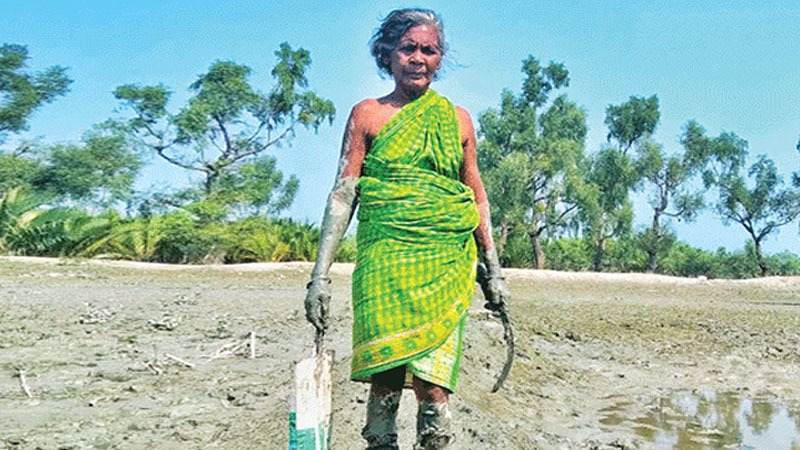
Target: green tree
(606, 210)
(763, 207)
(27, 228)
(17, 210)
(606, 207)
(761, 416)
(530, 159)
(22, 91)
(258, 186)
(134, 239)
(668, 179)
(632, 120)
(227, 124)
(18, 169)
(101, 170)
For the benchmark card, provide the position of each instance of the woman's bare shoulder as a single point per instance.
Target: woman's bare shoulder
(465, 123)
(371, 114)
(463, 114)
(366, 107)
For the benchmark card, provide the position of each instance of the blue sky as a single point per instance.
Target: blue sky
(731, 65)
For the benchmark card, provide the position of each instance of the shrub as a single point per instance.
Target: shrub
(184, 241)
(785, 264)
(683, 260)
(625, 255)
(568, 254)
(518, 252)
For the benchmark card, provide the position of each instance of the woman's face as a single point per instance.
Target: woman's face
(416, 58)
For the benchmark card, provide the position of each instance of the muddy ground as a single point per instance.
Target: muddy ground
(101, 348)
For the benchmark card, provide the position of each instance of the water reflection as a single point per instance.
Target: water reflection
(706, 420)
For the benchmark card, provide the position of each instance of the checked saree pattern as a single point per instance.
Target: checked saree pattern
(415, 269)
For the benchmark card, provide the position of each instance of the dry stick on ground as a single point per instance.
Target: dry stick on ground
(179, 360)
(252, 345)
(236, 347)
(227, 350)
(154, 368)
(24, 383)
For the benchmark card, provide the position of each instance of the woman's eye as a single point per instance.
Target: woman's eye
(429, 50)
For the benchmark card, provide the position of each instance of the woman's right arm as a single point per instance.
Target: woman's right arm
(338, 213)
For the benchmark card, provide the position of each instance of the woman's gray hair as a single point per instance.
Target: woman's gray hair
(394, 26)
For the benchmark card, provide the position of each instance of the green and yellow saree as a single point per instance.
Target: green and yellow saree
(415, 269)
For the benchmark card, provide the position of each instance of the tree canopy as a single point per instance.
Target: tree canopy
(227, 124)
(761, 206)
(530, 159)
(23, 91)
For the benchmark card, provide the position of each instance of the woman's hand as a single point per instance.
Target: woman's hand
(318, 298)
(494, 287)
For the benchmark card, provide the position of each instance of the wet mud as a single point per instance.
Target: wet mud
(124, 355)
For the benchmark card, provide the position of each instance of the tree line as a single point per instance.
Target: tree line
(544, 186)
(555, 205)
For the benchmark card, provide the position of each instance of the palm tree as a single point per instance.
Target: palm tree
(18, 213)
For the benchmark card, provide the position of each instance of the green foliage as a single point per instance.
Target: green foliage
(183, 238)
(206, 212)
(624, 255)
(18, 210)
(655, 243)
(179, 237)
(28, 229)
(132, 239)
(686, 261)
(256, 187)
(574, 255)
(347, 250)
(683, 260)
(255, 240)
(100, 171)
(633, 120)
(718, 156)
(531, 161)
(540, 81)
(74, 230)
(18, 171)
(784, 263)
(226, 126)
(22, 92)
(264, 240)
(185, 241)
(148, 102)
(667, 178)
(606, 210)
(517, 252)
(760, 209)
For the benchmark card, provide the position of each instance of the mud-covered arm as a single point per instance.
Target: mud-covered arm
(339, 210)
(490, 276)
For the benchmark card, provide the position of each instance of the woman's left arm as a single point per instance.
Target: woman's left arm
(492, 281)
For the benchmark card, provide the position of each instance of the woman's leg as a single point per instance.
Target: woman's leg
(433, 416)
(380, 432)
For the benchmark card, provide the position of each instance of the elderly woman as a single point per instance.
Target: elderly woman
(409, 161)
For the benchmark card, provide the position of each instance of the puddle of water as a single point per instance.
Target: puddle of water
(709, 420)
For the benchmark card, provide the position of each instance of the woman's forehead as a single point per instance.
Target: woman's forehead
(422, 33)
